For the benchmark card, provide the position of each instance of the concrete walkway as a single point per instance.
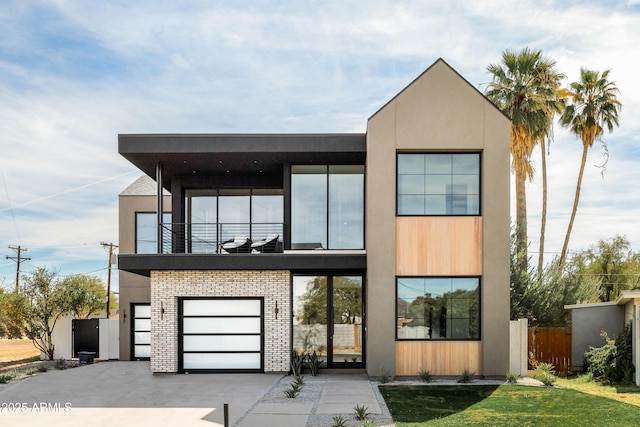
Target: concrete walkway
(127, 394)
(322, 398)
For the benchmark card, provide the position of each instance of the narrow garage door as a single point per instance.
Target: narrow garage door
(221, 334)
(141, 332)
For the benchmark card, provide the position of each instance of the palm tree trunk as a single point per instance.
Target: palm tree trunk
(543, 221)
(521, 218)
(563, 255)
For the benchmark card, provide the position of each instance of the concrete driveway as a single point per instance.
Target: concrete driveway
(127, 394)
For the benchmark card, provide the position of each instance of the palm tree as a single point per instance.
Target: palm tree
(594, 105)
(555, 104)
(525, 87)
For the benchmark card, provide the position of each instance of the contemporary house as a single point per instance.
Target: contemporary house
(386, 249)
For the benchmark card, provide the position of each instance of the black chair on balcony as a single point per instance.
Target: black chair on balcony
(239, 244)
(268, 244)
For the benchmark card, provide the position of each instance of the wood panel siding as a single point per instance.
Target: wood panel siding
(439, 246)
(439, 357)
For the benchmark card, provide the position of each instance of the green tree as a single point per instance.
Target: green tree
(525, 87)
(594, 106)
(347, 300)
(612, 263)
(13, 308)
(47, 302)
(542, 300)
(314, 302)
(86, 295)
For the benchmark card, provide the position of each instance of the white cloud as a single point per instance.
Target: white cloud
(75, 74)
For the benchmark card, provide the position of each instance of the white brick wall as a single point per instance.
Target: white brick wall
(167, 286)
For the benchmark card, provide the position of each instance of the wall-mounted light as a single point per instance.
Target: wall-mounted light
(124, 315)
(161, 309)
(275, 310)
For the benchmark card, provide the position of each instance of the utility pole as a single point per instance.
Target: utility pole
(19, 249)
(111, 246)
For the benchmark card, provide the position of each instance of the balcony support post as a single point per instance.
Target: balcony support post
(160, 208)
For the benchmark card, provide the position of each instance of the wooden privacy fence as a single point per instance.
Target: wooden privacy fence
(551, 345)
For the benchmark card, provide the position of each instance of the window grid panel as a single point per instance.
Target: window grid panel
(438, 308)
(446, 184)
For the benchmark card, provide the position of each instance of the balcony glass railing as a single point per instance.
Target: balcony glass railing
(207, 238)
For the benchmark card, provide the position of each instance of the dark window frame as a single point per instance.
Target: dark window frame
(479, 338)
(132, 329)
(330, 275)
(327, 174)
(155, 219)
(480, 192)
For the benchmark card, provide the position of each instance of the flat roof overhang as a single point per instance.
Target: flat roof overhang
(144, 264)
(237, 154)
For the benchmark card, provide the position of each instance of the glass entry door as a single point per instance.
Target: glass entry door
(328, 314)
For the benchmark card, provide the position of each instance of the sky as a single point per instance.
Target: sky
(75, 74)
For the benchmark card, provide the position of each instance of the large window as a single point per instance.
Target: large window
(327, 318)
(217, 215)
(327, 206)
(147, 233)
(438, 308)
(438, 184)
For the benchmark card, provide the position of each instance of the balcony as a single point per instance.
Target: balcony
(198, 247)
(208, 238)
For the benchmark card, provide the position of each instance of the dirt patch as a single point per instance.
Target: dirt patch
(17, 351)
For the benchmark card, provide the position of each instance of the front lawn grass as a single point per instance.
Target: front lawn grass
(623, 393)
(505, 405)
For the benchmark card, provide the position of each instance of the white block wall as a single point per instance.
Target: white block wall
(168, 286)
(518, 347)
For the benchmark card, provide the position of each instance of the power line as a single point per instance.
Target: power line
(19, 249)
(111, 246)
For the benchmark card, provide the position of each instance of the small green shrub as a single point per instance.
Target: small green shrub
(425, 376)
(60, 364)
(597, 359)
(384, 375)
(547, 379)
(466, 376)
(292, 393)
(5, 378)
(299, 380)
(338, 421)
(297, 363)
(585, 378)
(622, 371)
(42, 368)
(512, 378)
(545, 372)
(313, 363)
(30, 371)
(362, 412)
(546, 367)
(613, 362)
(368, 423)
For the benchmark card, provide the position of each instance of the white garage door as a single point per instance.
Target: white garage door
(221, 334)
